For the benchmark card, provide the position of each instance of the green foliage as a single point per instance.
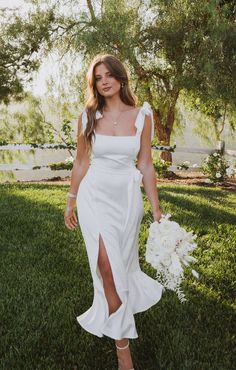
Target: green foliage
(37, 121)
(161, 167)
(26, 126)
(66, 165)
(65, 91)
(67, 130)
(60, 166)
(210, 117)
(215, 166)
(21, 39)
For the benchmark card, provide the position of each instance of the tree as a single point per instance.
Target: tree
(168, 47)
(26, 124)
(46, 119)
(20, 44)
(216, 99)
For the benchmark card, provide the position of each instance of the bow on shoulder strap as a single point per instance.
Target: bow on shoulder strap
(145, 110)
(85, 118)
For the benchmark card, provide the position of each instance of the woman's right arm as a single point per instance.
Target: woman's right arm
(79, 170)
(81, 162)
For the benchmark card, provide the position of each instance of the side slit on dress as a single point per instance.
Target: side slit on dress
(102, 249)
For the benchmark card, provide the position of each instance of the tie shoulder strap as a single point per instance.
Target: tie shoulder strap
(144, 110)
(85, 118)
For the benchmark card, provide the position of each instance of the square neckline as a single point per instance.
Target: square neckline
(128, 136)
(116, 135)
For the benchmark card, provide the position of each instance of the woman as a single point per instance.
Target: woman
(105, 185)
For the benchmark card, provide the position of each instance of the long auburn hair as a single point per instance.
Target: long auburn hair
(96, 101)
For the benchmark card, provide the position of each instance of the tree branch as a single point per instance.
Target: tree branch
(53, 128)
(90, 6)
(223, 122)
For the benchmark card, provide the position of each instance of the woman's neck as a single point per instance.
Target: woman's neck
(114, 104)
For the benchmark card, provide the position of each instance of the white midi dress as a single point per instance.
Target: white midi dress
(109, 202)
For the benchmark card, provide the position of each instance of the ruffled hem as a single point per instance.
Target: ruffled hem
(143, 293)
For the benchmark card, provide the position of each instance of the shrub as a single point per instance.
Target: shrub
(216, 167)
(66, 165)
(161, 167)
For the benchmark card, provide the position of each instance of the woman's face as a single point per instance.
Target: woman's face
(106, 84)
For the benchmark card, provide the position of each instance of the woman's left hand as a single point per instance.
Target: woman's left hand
(157, 215)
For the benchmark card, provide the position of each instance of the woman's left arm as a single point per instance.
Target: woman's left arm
(145, 165)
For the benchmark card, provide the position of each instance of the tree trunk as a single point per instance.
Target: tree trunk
(164, 131)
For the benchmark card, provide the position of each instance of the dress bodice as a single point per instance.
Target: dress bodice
(118, 151)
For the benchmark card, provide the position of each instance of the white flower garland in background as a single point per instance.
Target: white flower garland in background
(69, 159)
(167, 249)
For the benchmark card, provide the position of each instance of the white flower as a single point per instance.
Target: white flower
(175, 267)
(230, 171)
(208, 181)
(218, 175)
(167, 249)
(194, 165)
(215, 154)
(168, 243)
(166, 217)
(195, 273)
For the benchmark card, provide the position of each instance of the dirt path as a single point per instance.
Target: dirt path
(178, 177)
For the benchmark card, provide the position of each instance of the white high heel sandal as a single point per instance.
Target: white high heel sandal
(127, 345)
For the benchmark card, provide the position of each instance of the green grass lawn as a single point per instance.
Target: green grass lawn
(45, 283)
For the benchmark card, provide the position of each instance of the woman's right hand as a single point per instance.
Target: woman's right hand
(157, 215)
(70, 217)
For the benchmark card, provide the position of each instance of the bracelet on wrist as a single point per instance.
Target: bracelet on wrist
(71, 195)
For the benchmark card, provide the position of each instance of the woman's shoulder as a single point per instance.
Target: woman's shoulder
(133, 109)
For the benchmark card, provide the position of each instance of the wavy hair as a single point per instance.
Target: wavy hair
(96, 101)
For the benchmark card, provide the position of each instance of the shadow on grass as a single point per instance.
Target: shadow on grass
(213, 192)
(46, 283)
(195, 208)
(195, 335)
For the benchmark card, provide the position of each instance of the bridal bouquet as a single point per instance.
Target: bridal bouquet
(167, 249)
